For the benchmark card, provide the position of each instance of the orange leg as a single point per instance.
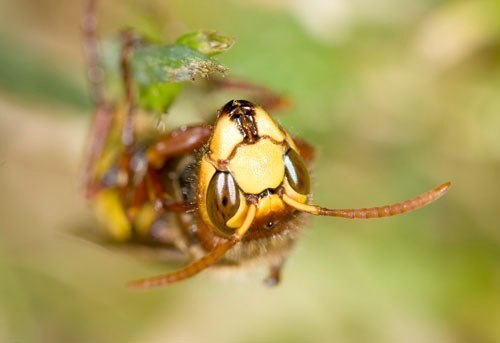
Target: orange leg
(100, 127)
(179, 142)
(105, 112)
(183, 141)
(159, 197)
(129, 40)
(274, 277)
(103, 115)
(149, 186)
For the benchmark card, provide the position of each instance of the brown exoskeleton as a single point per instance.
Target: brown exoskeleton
(233, 192)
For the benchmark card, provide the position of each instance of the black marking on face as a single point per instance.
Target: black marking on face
(242, 112)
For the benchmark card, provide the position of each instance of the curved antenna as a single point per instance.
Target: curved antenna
(199, 265)
(374, 212)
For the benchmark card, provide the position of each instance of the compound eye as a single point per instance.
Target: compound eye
(296, 172)
(223, 200)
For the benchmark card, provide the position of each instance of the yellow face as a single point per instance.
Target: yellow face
(249, 160)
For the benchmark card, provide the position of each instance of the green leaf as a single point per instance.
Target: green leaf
(158, 97)
(209, 43)
(173, 63)
(159, 70)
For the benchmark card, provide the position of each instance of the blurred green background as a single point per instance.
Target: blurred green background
(397, 96)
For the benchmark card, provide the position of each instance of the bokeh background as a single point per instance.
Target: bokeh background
(397, 96)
